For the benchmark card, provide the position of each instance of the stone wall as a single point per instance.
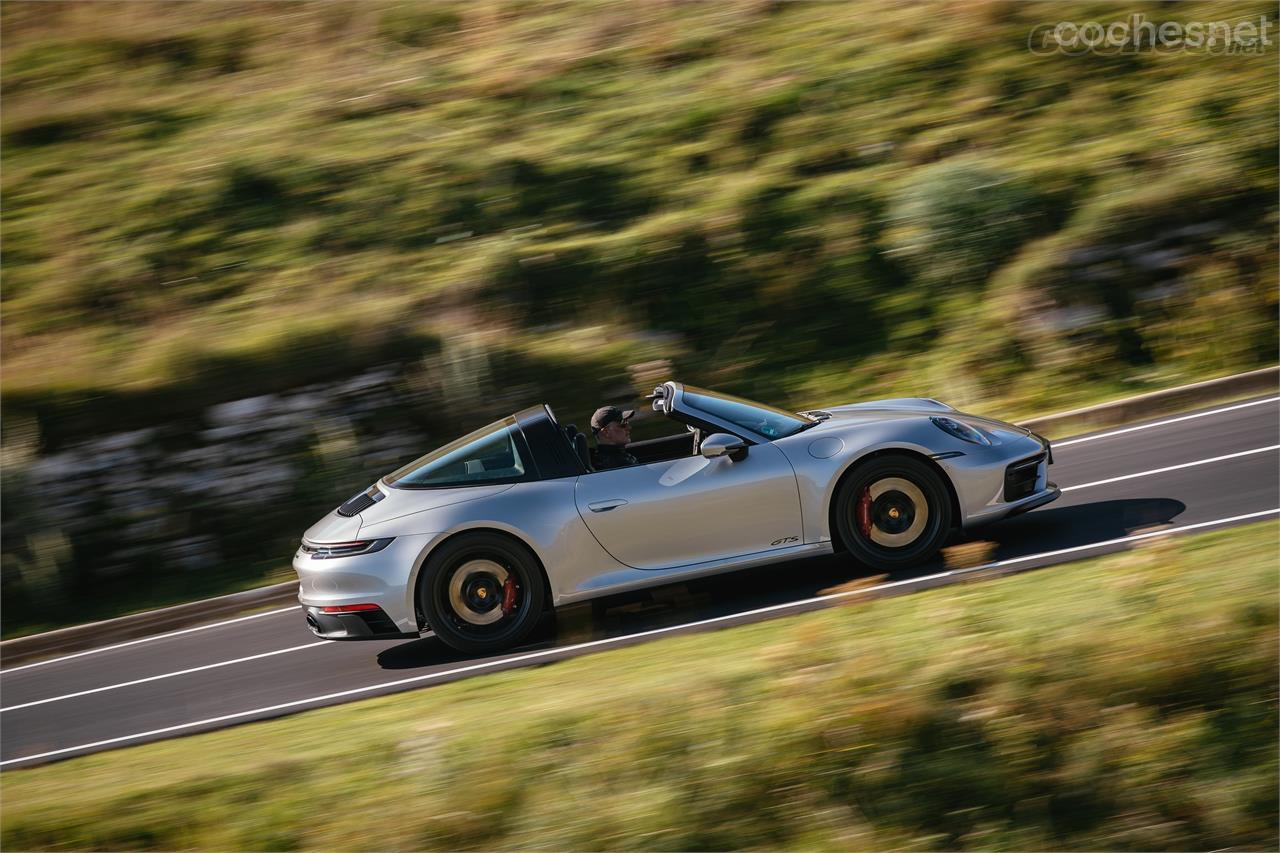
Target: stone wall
(238, 483)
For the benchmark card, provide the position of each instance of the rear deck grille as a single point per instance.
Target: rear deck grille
(1020, 478)
(361, 502)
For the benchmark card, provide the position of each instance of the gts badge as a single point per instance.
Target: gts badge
(784, 540)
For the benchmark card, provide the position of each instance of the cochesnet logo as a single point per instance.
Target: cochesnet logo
(1136, 33)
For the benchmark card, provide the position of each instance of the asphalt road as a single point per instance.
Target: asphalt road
(1199, 471)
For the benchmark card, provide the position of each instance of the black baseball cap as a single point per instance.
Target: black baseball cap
(606, 415)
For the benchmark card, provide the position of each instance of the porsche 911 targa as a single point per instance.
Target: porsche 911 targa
(476, 540)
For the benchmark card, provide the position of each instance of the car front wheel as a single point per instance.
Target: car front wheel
(481, 593)
(893, 512)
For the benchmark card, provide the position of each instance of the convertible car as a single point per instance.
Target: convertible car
(476, 540)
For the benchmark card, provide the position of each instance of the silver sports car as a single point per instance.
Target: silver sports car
(477, 539)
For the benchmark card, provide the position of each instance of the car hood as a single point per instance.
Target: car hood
(878, 411)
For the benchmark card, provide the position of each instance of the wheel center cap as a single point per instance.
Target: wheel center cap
(895, 512)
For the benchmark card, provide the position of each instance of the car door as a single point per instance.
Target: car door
(693, 510)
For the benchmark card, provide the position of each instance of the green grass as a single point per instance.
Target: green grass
(1126, 702)
(201, 204)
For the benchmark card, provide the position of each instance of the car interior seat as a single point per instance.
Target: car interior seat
(580, 446)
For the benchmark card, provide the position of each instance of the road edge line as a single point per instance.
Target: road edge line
(1262, 381)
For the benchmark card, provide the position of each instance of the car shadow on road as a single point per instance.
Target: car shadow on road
(424, 651)
(1051, 529)
(429, 651)
(794, 580)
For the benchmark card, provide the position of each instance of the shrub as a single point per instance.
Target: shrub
(419, 24)
(960, 219)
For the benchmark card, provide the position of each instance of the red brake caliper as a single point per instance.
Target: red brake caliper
(864, 512)
(509, 596)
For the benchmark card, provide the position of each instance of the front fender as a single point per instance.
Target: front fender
(819, 468)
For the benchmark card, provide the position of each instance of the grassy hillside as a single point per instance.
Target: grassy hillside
(1126, 703)
(206, 201)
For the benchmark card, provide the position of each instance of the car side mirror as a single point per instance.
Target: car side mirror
(723, 444)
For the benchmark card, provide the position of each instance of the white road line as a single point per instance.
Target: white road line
(1179, 419)
(1133, 538)
(613, 641)
(8, 670)
(1173, 468)
(168, 675)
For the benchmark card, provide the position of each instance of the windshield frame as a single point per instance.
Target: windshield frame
(690, 407)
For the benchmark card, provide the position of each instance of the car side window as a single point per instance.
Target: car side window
(490, 454)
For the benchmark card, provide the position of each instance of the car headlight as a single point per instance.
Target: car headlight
(964, 432)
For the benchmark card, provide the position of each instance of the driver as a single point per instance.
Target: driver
(612, 430)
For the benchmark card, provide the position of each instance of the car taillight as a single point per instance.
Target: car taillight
(333, 550)
(349, 608)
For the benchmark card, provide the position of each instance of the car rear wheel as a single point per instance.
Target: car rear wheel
(893, 512)
(481, 593)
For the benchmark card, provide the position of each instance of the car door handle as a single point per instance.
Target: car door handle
(605, 506)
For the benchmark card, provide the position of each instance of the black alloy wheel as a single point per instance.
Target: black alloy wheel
(481, 593)
(893, 512)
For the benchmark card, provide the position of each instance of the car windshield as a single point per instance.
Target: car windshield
(487, 455)
(748, 414)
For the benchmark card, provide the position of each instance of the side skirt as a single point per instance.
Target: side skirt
(626, 580)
